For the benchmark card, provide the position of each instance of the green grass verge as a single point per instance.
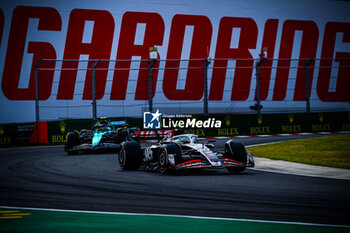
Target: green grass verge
(36, 221)
(330, 151)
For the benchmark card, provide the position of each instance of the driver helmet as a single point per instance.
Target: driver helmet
(178, 141)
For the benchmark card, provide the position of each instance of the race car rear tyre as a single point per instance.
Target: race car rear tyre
(122, 135)
(72, 141)
(164, 164)
(237, 152)
(130, 155)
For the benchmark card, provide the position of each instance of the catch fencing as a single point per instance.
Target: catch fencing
(62, 86)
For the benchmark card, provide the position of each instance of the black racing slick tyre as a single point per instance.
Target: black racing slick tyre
(122, 135)
(130, 155)
(237, 152)
(164, 163)
(72, 141)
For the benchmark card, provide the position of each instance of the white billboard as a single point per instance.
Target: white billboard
(182, 29)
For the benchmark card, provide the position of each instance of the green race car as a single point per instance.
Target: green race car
(104, 134)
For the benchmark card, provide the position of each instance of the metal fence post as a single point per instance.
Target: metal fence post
(94, 107)
(150, 84)
(37, 116)
(205, 80)
(307, 84)
(36, 67)
(257, 66)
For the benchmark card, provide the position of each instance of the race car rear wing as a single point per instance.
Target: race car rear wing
(152, 134)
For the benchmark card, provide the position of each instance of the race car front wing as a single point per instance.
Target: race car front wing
(223, 163)
(87, 146)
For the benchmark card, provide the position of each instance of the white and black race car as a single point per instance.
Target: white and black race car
(184, 151)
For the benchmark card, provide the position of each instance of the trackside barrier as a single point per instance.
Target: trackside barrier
(54, 132)
(232, 125)
(235, 125)
(39, 135)
(8, 134)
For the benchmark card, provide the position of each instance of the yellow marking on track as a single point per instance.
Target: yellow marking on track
(17, 214)
(12, 214)
(10, 217)
(9, 211)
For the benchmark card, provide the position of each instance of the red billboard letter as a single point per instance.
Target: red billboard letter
(342, 93)
(243, 75)
(154, 33)
(308, 49)
(269, 41)
(2, 21)
(49, 20)
(99, 48)
(202, 31)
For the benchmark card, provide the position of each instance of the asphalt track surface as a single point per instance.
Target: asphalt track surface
(46, 177)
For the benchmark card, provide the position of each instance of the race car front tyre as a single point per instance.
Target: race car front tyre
(237, 152)
(130, 155)
(72, 141)
(164, 164)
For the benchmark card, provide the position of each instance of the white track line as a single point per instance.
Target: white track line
(283, 134)
(291, 173)
(297, 174)
(177, 216)
(262, 144)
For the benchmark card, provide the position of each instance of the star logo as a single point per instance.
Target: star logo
(156, 115)
(151, 120)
